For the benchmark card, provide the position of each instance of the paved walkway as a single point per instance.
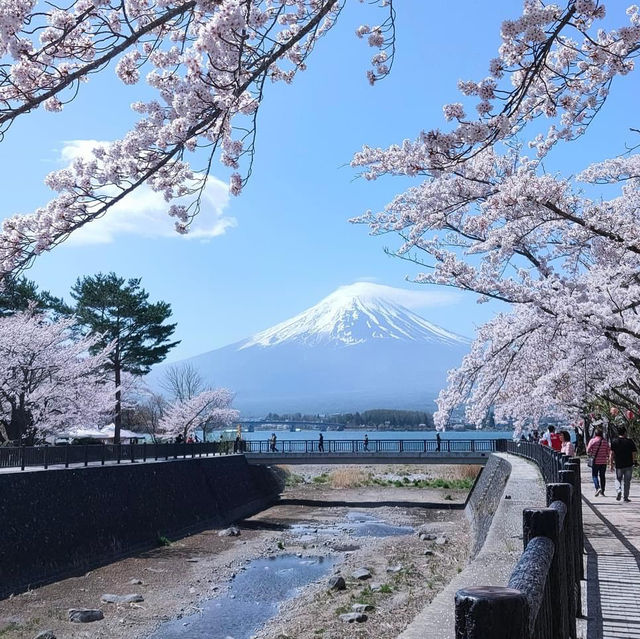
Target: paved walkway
(612, 543)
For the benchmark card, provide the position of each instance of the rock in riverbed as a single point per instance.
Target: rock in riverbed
(232, 531)
(360, 607)
(121, 599)
(361, 573)
(337, 583)
(350, 617)
(45, 634)
(428, 536)
(85, 615)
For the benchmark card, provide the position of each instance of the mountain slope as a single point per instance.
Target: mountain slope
(352, 315)
(355, 349)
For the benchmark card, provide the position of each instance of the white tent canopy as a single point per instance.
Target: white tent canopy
(105, 433)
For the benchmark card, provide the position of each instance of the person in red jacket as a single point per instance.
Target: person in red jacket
(598, 449)
(552, 439)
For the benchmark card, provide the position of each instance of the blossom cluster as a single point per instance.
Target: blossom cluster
(488, 219)
(207, 61)
(210, 408)
(49, 382)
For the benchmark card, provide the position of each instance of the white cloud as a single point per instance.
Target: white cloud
(144, 212)
(410, 298)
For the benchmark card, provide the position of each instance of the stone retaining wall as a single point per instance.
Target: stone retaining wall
(498, 539)
(63, 521)
(484, 499)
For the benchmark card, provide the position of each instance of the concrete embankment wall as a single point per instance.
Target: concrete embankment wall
(59, 522)
(485, 498)
(495, 511)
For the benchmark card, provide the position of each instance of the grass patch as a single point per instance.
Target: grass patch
(292, 480)
(163, 540)
(385, 589)
(349, 478)
(367, 596)
(321, 479)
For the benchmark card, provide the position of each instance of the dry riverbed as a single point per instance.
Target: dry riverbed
(323, 511)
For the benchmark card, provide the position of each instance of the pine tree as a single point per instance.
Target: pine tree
(120, 312)
(19, 293)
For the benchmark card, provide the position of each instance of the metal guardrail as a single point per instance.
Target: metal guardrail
(353, 446)
(548, 461)
(542, 599)
(44, 456)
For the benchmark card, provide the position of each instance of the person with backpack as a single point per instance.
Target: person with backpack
(623, 454)
(598, 450)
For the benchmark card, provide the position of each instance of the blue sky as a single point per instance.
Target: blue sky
(285, 242)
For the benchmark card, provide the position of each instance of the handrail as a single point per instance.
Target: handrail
(308, 446)
(91, 454)
(542, 598)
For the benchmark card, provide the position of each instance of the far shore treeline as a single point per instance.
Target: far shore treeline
(389, 418)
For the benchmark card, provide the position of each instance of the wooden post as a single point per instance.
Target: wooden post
(545, 522)
(491, 612)
(562, 494)
(569, 477)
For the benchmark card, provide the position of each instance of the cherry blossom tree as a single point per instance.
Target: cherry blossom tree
(485, 216)
(183, 417)
(48, 381)
(207, 60)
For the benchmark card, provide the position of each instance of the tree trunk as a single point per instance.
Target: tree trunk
(117, 421)
(19, 425)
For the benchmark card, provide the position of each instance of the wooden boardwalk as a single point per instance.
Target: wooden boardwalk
(612, 569)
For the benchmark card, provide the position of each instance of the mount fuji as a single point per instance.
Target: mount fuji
(356, 349)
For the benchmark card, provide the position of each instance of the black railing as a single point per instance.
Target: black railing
(549, 461)
(45, 456)
(377, 446)
(542, 599)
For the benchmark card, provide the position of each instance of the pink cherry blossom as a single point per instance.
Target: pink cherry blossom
(210, 407)
(49, 378)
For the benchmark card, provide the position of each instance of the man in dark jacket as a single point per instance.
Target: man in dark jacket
(623, 454)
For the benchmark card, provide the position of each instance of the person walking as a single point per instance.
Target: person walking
(567, 447)
(273, 443)
(321, 443)
(366, 442)
(437, 442)
(624, 455)
(598, 450)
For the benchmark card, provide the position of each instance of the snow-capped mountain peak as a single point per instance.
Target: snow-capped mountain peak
(351, 315)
